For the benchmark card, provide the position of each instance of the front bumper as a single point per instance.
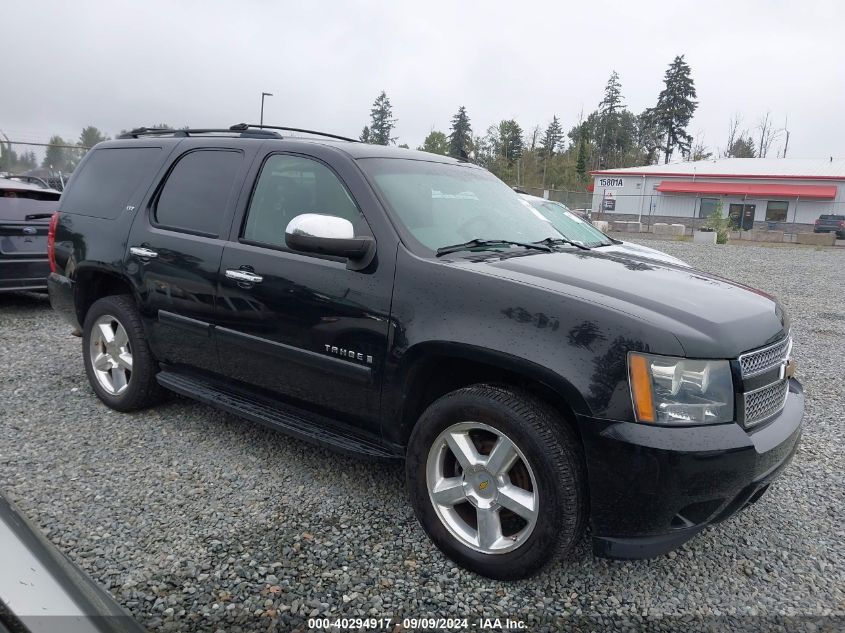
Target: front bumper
(24, 274)
(653, 488)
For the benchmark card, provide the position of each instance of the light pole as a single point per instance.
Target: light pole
(264, 94)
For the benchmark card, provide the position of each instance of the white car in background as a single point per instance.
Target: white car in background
(581, 231)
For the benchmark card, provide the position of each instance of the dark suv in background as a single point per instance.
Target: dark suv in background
(402, 305)
(25, 213)
(830, 223)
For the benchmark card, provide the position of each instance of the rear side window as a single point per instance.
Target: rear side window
(196, 192)
(108, 178)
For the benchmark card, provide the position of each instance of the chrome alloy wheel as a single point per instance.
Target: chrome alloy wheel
(482, 487)
(110, 354)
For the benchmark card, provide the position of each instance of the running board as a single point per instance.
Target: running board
(279, 416)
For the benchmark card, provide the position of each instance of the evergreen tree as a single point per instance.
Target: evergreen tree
(581, 161)
(436, 142)
(366, 137)
(460, 137)
(612, 101)
(382, 121)
(91, 136)
(511, 144)
(56, 156)
(742, 148)
(675, 107)
(552, 137)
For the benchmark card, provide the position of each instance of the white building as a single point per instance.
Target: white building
(788, 192)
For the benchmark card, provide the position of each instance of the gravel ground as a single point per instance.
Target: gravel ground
(196, 520)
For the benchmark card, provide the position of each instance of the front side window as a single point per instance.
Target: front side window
(776, 211)
(290, 186)
(443, 204)
(196, 193)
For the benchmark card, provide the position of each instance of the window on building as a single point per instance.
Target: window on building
(195, 195)
(290, 186)
(776, 211)
(707, 207)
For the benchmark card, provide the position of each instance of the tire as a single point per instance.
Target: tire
(138, 387)
(546, 450)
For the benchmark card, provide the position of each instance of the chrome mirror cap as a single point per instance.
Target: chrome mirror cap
(321, 226)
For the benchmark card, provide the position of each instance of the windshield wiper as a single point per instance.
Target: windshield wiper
(554, 241)
(479, 243)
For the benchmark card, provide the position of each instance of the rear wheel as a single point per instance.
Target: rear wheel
(496, 478)
(118, 361)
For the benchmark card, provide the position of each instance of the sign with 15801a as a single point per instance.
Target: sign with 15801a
(610, 182)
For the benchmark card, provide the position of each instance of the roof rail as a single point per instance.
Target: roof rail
(244, 132)
(247, 126)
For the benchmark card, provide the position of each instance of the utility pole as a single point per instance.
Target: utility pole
(263, 94)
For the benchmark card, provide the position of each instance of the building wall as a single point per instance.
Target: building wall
(638, 197)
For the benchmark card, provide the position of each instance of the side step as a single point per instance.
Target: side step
(279, 416)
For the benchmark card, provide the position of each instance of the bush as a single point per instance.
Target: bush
(719, 223)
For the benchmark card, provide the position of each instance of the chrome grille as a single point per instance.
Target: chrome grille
(764, 403)
(765, 358)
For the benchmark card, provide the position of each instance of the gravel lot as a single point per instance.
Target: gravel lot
(196, 520)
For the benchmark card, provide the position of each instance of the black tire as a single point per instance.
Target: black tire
(142, 390)
(548, 444)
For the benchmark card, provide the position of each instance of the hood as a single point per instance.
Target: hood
(638, 250)
(711, 317)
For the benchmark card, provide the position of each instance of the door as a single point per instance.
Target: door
(303, 327)
(175, 250)
(742, 216)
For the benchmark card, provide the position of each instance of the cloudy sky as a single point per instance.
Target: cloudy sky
(118, 64)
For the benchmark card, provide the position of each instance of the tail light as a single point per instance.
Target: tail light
(51, 241)
(842, 225)
(818, 220)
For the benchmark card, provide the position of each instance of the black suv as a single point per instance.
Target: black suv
(402, 305)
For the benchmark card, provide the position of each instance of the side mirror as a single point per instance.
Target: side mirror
(330, 235)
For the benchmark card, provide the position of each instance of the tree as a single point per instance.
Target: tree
(767, 135)
(581, 161)
(56, 156)
(512, 145)
(91, 136)
(436, 142)
(382, 121)
(460, 137)
(675, 107)
(366, 137)
(741, 148)
(552, 138)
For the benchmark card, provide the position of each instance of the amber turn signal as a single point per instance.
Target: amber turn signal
(641, 389)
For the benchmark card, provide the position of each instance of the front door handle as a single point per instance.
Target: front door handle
(140, 251)
(244, 276)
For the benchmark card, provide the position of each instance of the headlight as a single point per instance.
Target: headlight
(678, 391)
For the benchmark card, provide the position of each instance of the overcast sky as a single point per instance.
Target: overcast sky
(118, 64)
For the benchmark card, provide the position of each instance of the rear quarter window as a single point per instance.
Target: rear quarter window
(107, 179)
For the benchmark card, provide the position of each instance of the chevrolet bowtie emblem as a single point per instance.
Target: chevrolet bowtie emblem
(483, 485)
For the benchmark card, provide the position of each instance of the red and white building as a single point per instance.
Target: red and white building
(787, 192)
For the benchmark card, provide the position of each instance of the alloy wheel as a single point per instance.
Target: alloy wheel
(482, 487)
(110, 354)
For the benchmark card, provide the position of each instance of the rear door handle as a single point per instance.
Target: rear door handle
(140, 251)
(244, 276)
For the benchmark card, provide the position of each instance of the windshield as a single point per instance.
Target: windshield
(570, 224)
(442, 204)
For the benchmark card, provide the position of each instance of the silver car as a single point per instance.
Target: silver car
(582, 232)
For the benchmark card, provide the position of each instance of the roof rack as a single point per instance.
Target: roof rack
(247, 126)
(243, 132)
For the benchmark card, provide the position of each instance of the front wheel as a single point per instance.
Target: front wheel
(496, 478)
(118, 360)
